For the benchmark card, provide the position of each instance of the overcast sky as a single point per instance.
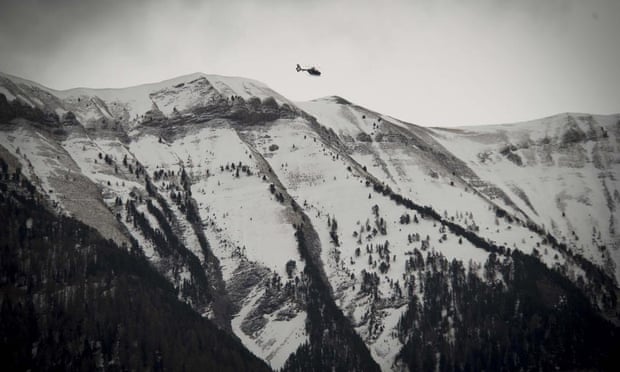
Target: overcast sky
(446, 62)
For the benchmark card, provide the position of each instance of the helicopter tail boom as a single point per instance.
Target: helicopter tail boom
(312, 70)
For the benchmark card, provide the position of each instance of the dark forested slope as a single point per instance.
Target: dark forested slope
(71, 300)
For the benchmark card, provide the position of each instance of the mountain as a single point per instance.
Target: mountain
(324, 235)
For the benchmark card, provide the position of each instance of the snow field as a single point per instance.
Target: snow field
(327, 190)
(409, 173)
(564, 185)
(241, 220)
(241, 207)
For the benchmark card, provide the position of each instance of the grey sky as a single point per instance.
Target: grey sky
(445, 62)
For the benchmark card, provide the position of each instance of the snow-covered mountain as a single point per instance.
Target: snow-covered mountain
(299, 227)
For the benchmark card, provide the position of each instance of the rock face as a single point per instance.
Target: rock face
(221, 183)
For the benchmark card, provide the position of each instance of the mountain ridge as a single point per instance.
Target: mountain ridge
(334, 98)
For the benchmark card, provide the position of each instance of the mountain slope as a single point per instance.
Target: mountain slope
(562, 164)
(561, 170)
(313, 231)
(72, 300)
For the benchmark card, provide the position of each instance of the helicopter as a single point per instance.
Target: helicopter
(312, 70)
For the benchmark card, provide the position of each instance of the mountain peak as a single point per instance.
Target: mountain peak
(332, 99)
(175, 93)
